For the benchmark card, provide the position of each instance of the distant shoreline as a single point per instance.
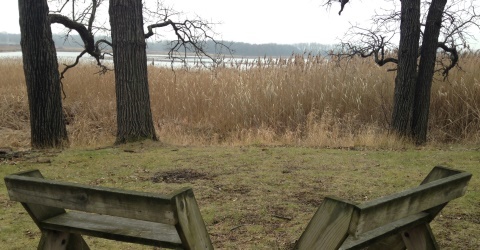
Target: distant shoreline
(18, 48)
(72, 43)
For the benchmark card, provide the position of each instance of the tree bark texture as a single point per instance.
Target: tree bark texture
(134, 115)
(40, 66)
(426, 69)
(407, 66)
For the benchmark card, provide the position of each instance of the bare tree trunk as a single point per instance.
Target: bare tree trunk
(407, 66)
(40, 65)
(134, 115)
(426, 68)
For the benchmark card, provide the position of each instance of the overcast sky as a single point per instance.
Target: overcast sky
(256, 21)
(259, 21)
(270, 21)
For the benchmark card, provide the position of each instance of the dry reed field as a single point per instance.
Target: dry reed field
(294, 101)
(219, 130)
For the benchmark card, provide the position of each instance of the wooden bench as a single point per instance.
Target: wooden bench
(170, 221)
(392, 222)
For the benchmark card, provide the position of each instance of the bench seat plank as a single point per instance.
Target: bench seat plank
(115, 228)
(375, 213)
(395, 227)
(94, 199)
(167, 221)
(396, 221)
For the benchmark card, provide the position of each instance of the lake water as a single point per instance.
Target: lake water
(18, 54)
(159, 60)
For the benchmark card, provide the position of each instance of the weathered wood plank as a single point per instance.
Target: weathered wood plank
(191, 226)
(76, 241)
(393, 242)
(115, 228)
(53, 240)
(129, 204)
(38, 212)
(383, 232)
(439, 172)
(420, 237)
(329, 226)
(376, 213)
(172, 221)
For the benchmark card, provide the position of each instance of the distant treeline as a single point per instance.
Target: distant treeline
(238, 48)
(273, 49)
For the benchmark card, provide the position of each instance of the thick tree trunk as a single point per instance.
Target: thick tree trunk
(407, 66)
(426, 68)
(134, 115)
(41, 75)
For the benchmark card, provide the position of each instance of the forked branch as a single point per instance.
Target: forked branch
(370, 44)
(453, 59)
(90, 46)
(191, 36)
(342, 4)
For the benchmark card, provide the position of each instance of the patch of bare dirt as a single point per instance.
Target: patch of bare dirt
(179, 176)
(473, 218)
(10, 156)
(308, 198)
(235, 189)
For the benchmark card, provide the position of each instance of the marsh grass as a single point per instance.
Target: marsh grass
(254, 194)
(302, 100)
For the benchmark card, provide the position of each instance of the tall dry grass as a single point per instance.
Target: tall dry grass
(296, 101)
(14, 114)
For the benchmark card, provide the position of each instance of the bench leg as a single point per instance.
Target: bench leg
(55, 240)
(394, 242)
(420, 238)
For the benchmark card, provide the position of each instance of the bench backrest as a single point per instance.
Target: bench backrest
(340, 224)
(45, 199)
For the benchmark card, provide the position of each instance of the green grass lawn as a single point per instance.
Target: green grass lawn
(251, 197)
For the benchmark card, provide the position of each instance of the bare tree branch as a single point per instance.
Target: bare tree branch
(94, 5)
(158, 25)
(459, 17)
(63, 6)
(191, 35)
(458, 22)
(328, 3)
(369, 43)
(453, 59)
(342, 5)
(87, 37)
(67, 67)
(90, 46)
